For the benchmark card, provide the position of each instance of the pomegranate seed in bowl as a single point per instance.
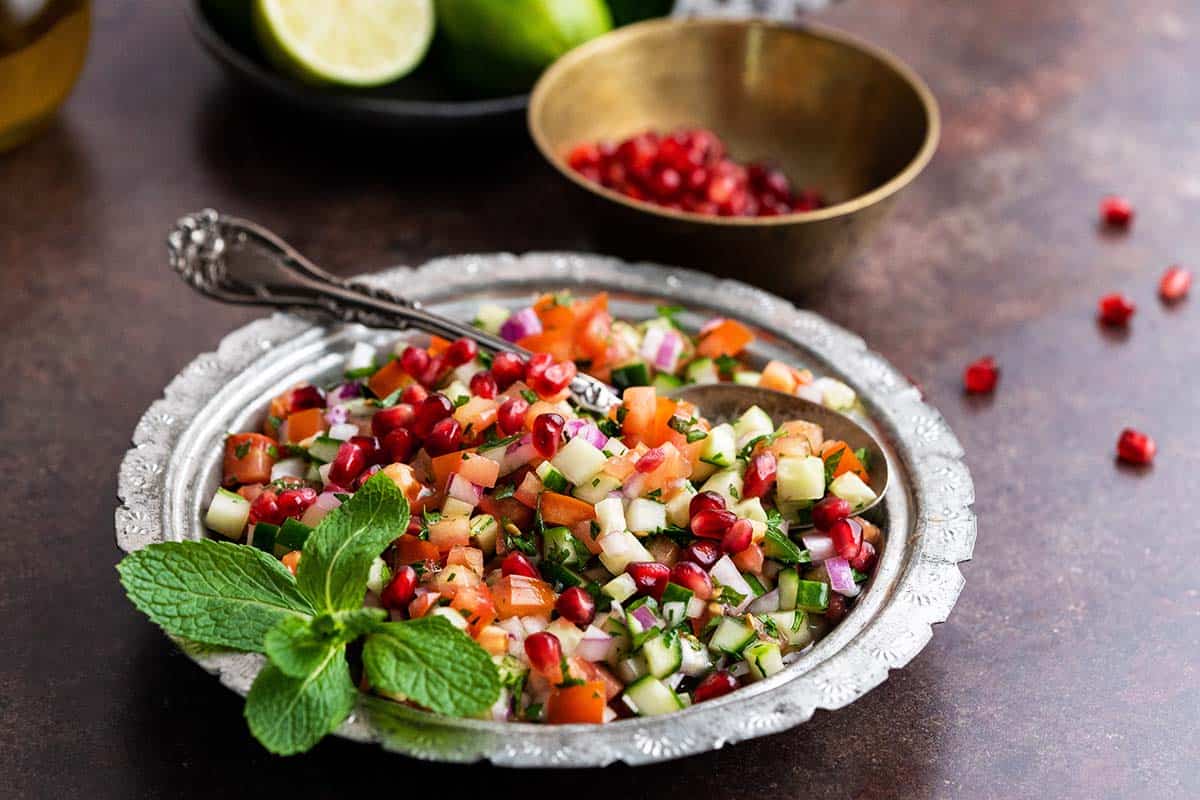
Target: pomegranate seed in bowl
(1135, 447)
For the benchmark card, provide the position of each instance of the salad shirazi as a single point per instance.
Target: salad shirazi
(626, 565)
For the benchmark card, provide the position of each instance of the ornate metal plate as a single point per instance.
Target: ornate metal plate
(173, 468)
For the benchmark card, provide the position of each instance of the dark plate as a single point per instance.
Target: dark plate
(424, 101)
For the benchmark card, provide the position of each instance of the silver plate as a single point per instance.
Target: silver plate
(173, 468)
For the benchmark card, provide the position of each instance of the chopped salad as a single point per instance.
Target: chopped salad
(612, 566)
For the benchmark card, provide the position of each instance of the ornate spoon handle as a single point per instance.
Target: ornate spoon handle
(237, 261)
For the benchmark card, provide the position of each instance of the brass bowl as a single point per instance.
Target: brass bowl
(832, 112)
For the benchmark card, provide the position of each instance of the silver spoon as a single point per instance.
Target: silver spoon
(237, 261)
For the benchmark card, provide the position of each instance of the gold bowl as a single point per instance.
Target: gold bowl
(832, 112)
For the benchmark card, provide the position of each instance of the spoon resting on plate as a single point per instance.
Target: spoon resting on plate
(237, 261)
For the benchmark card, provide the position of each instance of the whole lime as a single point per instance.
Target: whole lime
(503, 45)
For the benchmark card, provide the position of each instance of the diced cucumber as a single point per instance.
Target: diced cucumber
(453, 507)
(361, 356)
(558, 574)
(720, 448)
(753, 423)
(614, 447)
(755, 584)
(674, 613)
(619, 549)
(622, 644)
(292, 534)
(812, 596)
(731, 636)
(665, 383)
(227, 514)
(379, 575)
(793, 625)
(596, 488)
(552, 479)
(702, 370)
(800, 478)
(764, 659)
(645, 515)
(490, 317)
(728, 484)
(663, 654)
(453, 616)
(632, 374)
(324, 449)
(745, 377)
(560, 546)
(751, 509)
(702, 472)
(610, 515)
(313, 473)
(568, 633)
(674, 593)
(579, 460)
(695, 656)
(631, 668)
(788, 584)
(263, 536)
(289, 468)
(851, 488)
(621, 588)
(679, 505)
(485, 530)
(835, 394)
(648, 697)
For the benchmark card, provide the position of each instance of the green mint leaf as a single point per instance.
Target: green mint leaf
(392, 399)
(297, 645)
(215, 593)
(291, 714)
(337, 555)
(433, 663)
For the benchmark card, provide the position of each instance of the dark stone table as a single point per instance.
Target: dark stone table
(1071, 666)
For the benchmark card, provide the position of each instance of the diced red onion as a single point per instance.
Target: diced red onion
(595, 645)
(521, 324)
(500, 709)
(588, 430)
(633, 488)
(343, 431)
(325, 502)
(820, 546)
(345, 391)
(650, 343)
(767, 603)
(534, 624)
(336, 415)
(668, 352)
(841, 579)
(726, 574)
(647, 618)
(462, 489)
(809, 392)
(518, 454)
(289, 468)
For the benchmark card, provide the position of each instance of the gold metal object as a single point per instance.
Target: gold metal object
(832, 112)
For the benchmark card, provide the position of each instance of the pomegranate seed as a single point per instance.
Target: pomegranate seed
(846, 539)
(553, 379)
(738, 537)
(547, 434)
(511, 416)
(721, 189)
(712, 523)
(1174, 284)
(691, 575)
(434, 372)
(1116, 309)
(265, 508)
(865, 558)
(303, 397)
(577, 606)
(399, 591)
(483, 385)
(432, 410)
(1116, 212)
(372, 450)
(584, 155)
(808, 200)
(697, 180)
(828, 511)
(507, 369)
(703, 552)
(706, 501)
(538, 362)
(463, 351)
(400, 445)
(1135, 447)
(294, 502)
(665, 183)
(365, 476)
(445, 437)
(651, 460)
(387, 420)
(517, 564)
(760, 476)
(414, 360)
(650, 577)
(638, 154)
(544, 652)
(981, 376)
(718, 684)
(414, 394)
(347, 464)
(836, 610)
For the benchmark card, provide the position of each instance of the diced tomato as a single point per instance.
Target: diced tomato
(529, 490)
(479, 471)
(276, 413)
(291, 560)
(388, 378)
(438, 345)
(475, 604)
(561, 509)
(450, 531)
(406, 481)
(554, 314)
(750, 559)
(555, 341)
(538, 408)
(726, 337)
(454, 579)
(476, 415)
(622, 466)
(493, 639)
(598, 672)
(778, 376)
(582, 702)
(423, 604)
(446, 465)
(469, 557)
(673, 467)
(848, 462)
(507, 508)
(640, 404)
(522, 596)
(303, 424)
(660, 429)
(411, 550)
(583, 532)
(248, 458)
(250, 491)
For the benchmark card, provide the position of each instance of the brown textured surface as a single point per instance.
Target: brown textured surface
(1068, 669)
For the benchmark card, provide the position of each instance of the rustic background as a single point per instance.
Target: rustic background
(1068, 669)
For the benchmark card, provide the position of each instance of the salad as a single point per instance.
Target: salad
(612, 566)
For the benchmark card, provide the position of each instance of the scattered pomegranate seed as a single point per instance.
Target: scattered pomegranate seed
(703, 552)
(846, 539)
(716, 685)
(865, 558)
(712, 523)
(760, 475)
(483, 385)
(553, 379)
(265, 508)
(691, 575)
(434, 372)
(303, 397)
(387, 420)
(294, 502)
(372, 449)
(577, 606)
(547, 434)
(414, 360)
(1174, 284)
(836, 610)
(400, 445)
(517, 564)
(738, 537)
(414, 394)
(432, 410)
(706, 501)
(511, 415)
(544, 652)
(462, 351)
(445, 437)
(538, 363)
(1116, 309)
(1135, 447)
(1116, 211)
(828, 511)
(399, 591)
(981, 376)
(650, 577)
(651, 460)
(347, 464)
(507, 369)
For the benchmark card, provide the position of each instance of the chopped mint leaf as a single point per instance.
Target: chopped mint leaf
(529, 395)
(864, 457)
(361, 372)
(242, 449)
(392, 399)
(503, 490)
(726, 365)
(831, 465)
(461, 400)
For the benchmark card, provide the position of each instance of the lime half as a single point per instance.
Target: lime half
(345, 42)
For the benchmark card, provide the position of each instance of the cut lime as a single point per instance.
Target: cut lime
(345, 42)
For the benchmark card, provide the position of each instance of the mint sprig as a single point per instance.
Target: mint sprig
(236, 596)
